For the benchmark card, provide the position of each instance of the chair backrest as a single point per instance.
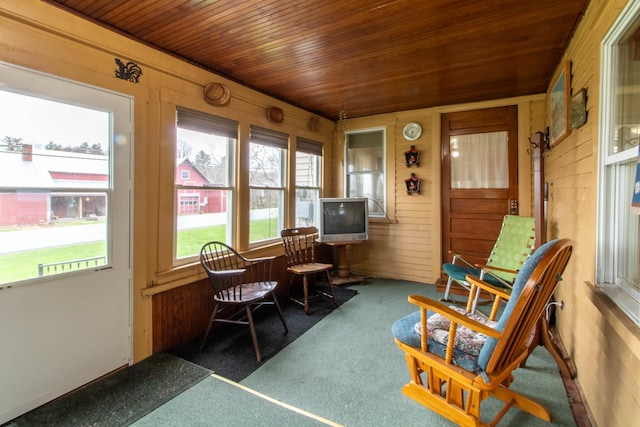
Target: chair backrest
(514, 245)
(227, 270)
(299, 245)
(532, 290)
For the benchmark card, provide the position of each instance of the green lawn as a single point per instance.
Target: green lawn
(24, 265)
(190, 241)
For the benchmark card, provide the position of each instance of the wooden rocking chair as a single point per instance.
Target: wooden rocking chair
(457, 359)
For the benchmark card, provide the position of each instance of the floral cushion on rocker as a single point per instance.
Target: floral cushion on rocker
(467, 340)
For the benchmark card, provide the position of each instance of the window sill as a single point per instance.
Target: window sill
(382, 220)
(628, 331)
(190, 273)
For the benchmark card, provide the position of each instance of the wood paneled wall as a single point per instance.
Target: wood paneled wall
(406, 245)
(604, 345)
(180, 315)
(602, 341)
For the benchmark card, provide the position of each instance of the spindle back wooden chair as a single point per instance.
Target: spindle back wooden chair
(299, 249)
(240, 286)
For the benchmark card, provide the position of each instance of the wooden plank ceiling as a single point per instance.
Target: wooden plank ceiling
(370, 56)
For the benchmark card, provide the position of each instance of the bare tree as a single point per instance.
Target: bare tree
(183, 149)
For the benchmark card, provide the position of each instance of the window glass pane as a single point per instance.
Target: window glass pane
(54, 187)
(618, 269)
(202, 159)
(479, 160)
(621, 174)
(307, 170)
(266, 214)
(369, 185)
(306, 203)
(307, 188)
(266, 182)
(626, 268)
(204, 187)
(365, 169)
(365, 159)
(627, 102)
(266, 166)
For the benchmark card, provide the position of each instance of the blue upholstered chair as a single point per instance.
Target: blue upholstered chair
(457, 359)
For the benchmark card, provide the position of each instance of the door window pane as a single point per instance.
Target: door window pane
(479, 160)
(54, 187)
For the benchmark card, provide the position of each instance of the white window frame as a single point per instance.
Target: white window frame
(278, 140)
(374, 205)
(313, 149)
(214, 125)
(625, 296)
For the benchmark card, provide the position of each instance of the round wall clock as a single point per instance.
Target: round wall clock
(412, 131)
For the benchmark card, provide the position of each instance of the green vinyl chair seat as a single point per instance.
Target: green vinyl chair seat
(514, 245)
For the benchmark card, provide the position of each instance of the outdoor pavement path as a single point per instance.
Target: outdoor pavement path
(52, 236)
(47, 237)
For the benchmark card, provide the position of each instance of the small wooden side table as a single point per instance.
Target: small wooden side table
(342, 275)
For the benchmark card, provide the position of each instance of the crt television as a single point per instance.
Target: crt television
(343, 220)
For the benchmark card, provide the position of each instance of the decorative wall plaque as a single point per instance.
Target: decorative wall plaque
(217, 94)
(413, 184)
(578, 109)
(129, 71)
(412, 156)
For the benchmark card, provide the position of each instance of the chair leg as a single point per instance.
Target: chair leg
(305, 289)
(445, 298)
(275, 301)
(333, 295)
(254, 337)
(211, 320)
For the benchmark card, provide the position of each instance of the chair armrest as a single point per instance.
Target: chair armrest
(493, 290)
(494, 268)
(489, 270)
(260, 259)
(428, 304)
(455, 318)
(459, 257)
(238, 272)
(477, 284)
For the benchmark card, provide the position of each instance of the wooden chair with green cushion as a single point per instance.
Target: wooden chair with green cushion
(456, 359)
(514, 245)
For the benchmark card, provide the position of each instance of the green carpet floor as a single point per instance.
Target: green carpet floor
(346, 370)
(229, 351)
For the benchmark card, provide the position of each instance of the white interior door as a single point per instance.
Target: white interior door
(65, 215)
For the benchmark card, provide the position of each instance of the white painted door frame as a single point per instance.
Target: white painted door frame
(58, 333)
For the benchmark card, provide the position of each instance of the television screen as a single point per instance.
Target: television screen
(343, 219)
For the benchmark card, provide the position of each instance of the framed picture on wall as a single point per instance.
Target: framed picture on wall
(559, 106)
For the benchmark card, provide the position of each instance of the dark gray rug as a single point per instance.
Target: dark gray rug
(229, 351)
(120, 398)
